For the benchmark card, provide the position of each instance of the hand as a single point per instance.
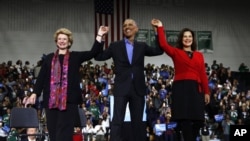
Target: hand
(29, 100)
(156, 23)
(207, 99)
(103, 30)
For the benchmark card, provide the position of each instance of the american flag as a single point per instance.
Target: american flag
(111, 13)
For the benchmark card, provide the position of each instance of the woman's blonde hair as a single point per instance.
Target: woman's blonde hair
(64, 31)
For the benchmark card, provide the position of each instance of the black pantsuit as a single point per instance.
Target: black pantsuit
(62, 123)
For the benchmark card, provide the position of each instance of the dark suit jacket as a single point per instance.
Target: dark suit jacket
(75, 60)
(124, 70)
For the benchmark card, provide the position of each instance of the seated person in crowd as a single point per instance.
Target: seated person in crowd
(31, 135)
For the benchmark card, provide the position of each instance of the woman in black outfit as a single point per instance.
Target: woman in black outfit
(59, 81)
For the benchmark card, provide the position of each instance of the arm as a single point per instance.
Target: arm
(38, 87)
(204, 80)
(103, 30)
(154, 51)
(87, 55)
(106, 54)
(157, 50)
(97, 46)
(162, 37)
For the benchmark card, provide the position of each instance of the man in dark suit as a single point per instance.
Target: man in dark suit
(129, 87)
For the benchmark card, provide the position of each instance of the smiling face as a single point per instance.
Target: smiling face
(129, 28)
(187, 39)
(63, 38)
(62, 41)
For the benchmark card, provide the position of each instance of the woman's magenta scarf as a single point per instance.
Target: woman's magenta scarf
(59, 82)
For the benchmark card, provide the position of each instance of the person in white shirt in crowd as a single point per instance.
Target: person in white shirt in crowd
(106, 124)
(3, 134)
(100, 131)
(19, 66)
(159, 135)
(88, 131)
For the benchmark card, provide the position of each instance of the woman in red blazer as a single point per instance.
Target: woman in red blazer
(190, 90)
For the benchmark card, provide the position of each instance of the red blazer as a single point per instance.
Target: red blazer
(185, 67)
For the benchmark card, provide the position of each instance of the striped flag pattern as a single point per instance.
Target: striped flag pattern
(111, 13)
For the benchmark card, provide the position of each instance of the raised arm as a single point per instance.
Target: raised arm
(158, 26)
(103, 30)
(97, 47)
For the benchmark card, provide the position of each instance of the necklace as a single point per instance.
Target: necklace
(189, 53)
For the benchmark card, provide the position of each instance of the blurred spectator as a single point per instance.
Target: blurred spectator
(19, 66)
(205, 135)
(3, 91)
(152, 113)
(163, 92)
(88, 131)
(106, 124)
(233, 113)
(32, 135)
(100, 131)
(94, 108)
(3, 71)
(37, 68)
(215, 66)
(158, 131)
(208, 69)
(3, 134)
(6, 117)
(244, 113)
(164, 73)
(169, 133)
(12, 135)
(226, 127)
(243, 68)
(77, 136)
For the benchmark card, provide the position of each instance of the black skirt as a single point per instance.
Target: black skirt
(187, 102)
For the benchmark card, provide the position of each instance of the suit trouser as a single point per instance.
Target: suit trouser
(61, 123)
(136, 107)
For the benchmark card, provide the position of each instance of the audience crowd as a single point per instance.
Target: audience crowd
(230, 100)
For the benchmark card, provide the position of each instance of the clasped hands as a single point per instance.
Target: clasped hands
(156, 23)
(103, 30)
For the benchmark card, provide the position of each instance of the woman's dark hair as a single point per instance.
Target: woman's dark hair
(179, 43)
